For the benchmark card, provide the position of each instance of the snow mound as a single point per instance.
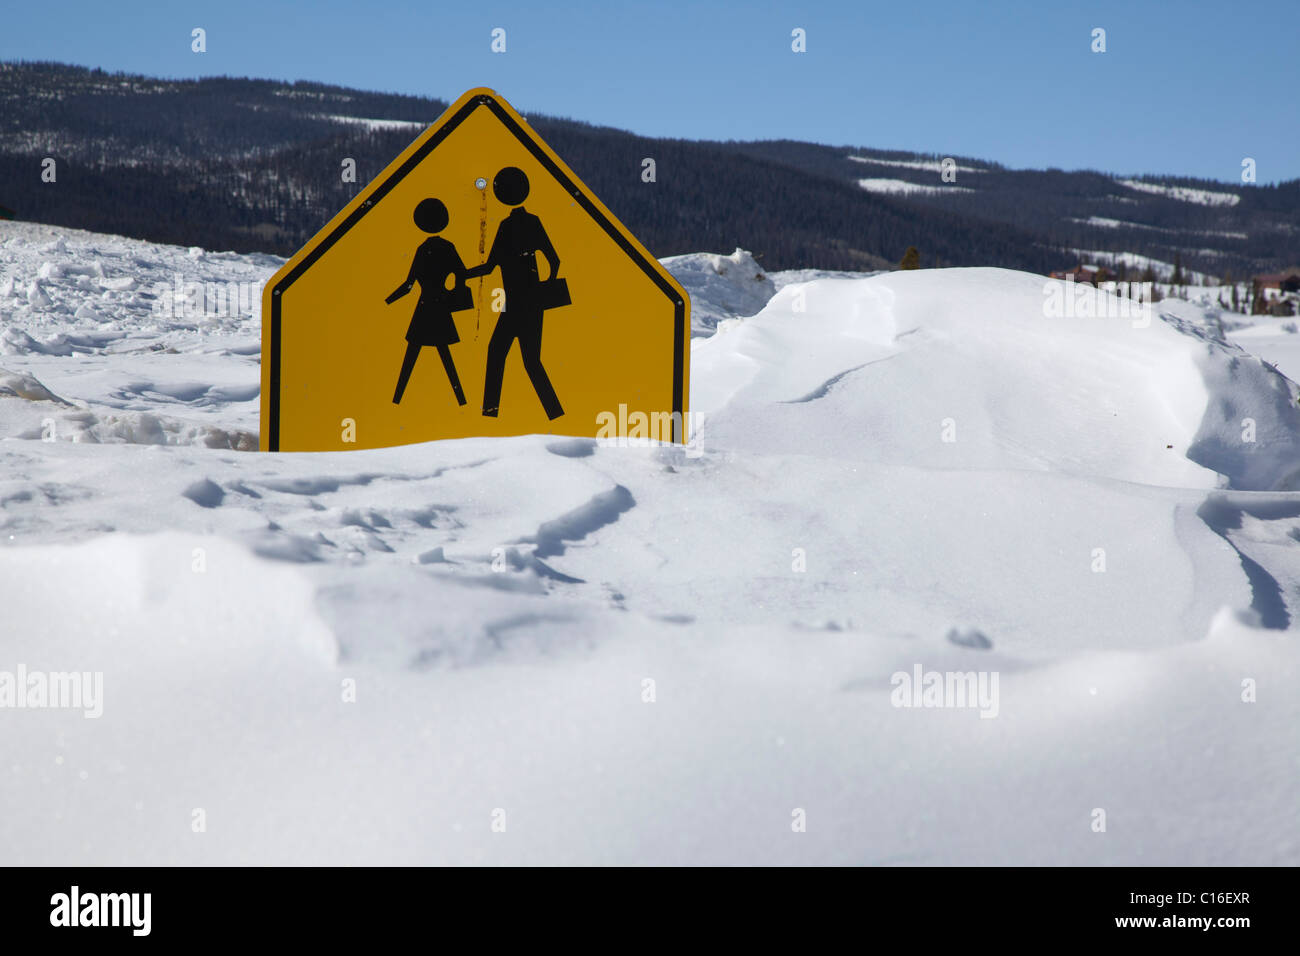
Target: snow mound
(969, 368)
(116, 289)
(144, 428)
(25, 414)
(14, 341)
(26, 387)
(720, 287)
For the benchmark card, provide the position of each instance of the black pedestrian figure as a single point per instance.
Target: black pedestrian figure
(519, 237)
(432, 324)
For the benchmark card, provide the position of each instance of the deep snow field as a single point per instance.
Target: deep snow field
(570, 652)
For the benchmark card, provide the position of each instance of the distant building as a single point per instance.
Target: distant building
(1089, 274)
(1274, 285)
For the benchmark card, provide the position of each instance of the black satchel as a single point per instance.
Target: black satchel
(460, 299)
(553, 293)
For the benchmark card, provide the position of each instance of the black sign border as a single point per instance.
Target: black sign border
(575, 189)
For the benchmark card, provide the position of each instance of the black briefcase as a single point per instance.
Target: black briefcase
(460, 299)
(552, 294)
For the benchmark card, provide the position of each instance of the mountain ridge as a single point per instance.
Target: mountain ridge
(253, 166)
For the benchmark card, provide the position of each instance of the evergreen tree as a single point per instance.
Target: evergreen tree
(1231, 283)
(911, 259)
(1149, 280)
(1179, 278)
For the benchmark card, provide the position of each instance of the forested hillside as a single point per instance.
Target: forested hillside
(254, 165)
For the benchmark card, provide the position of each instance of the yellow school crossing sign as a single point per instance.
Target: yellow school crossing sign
(475, 287)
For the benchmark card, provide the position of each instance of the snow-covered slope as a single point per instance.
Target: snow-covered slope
(721, 287)
(656, 654)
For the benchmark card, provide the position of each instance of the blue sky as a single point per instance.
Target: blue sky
(1185, 88)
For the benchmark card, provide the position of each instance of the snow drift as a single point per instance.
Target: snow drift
(657, 654)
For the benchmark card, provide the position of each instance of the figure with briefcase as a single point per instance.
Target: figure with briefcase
(519, 238)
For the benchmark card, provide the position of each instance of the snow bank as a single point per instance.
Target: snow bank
(23, 386)
(658, 654)
(720, 287)
(891, 359)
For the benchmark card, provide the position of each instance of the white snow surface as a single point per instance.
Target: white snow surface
(904, 187)
(1104, 222)
(564, 651)
(926, 165)
(1201, 197)
(721, 287)
(374, 124)
(1164, 271)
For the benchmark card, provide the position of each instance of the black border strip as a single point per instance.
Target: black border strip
(578, 192)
